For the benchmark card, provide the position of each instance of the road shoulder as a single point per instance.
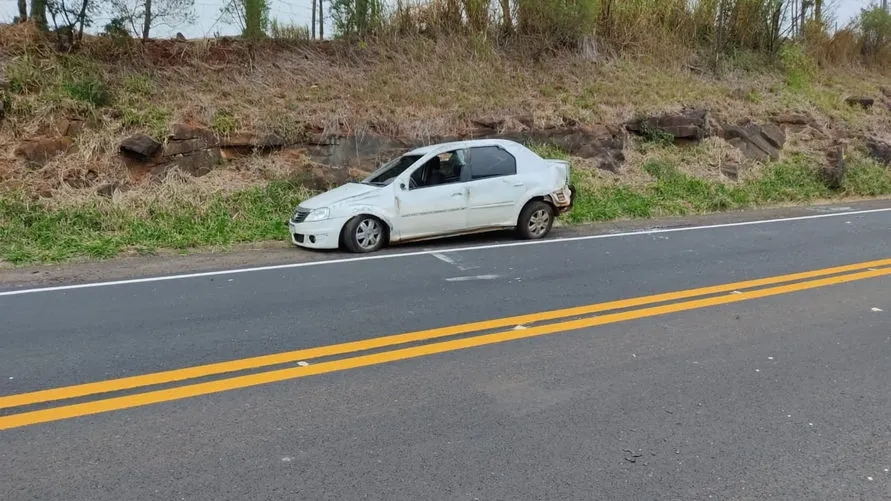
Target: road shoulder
(281, 253)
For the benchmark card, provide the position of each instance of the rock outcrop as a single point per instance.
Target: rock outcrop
(689, 124)
(38, 151)
(140, 146)
(862, 101)
(757, 142)
(879, 149)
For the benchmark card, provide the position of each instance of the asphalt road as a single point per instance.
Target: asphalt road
(780, 397)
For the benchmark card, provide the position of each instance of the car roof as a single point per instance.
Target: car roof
(470, 143)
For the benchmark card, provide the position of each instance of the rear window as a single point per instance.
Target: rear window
(491, 161)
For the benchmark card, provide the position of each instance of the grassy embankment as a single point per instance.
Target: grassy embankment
(53, 213)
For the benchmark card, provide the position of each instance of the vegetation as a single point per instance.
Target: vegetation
(34, 232)
(419, 69)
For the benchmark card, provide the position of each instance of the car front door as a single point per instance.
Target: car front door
(434, 199)
(493, 188)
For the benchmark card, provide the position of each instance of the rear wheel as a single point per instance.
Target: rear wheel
(364, 234)
(536, 220)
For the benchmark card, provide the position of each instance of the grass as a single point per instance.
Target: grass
(374, 87)
(674, 193)
(33, 233)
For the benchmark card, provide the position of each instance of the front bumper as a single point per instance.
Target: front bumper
(317, 234)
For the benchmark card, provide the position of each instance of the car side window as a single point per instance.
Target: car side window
(445, 168)
(491, 161)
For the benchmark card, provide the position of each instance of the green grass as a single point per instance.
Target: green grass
(33, 233)
(674, 193)
(30, 233)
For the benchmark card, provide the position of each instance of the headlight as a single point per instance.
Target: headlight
(318, 214)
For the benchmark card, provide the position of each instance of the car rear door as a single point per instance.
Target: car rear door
(494, 187)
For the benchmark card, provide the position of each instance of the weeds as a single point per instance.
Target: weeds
(224, 122)
(34, 233)
(675, 193)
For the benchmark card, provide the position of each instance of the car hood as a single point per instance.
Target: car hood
(339, 194)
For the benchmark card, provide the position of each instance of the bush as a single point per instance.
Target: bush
(799, 67)
(90, 90)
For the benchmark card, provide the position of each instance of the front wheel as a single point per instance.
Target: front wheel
(364, 234)
(536, 220)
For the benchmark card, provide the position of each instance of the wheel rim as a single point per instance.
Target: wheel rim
(538, 223)
(368, 233)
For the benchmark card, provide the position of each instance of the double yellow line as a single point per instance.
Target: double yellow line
(717, 295)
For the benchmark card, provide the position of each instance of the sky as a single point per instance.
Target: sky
(299, 12)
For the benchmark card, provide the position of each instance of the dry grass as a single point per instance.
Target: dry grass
(418, 88)
(414, 87)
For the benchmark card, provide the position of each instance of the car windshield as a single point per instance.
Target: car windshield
(393, 168)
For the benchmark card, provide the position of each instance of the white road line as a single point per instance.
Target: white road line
(438, 251)
(445, 259)
(474, 277)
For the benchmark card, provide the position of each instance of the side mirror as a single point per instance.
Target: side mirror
(402, 185)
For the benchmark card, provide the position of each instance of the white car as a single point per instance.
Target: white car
(436, 191)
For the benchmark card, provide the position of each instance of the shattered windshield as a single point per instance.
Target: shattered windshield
(391, 170)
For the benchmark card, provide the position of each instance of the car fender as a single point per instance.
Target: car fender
(548, 196)
(371, 210)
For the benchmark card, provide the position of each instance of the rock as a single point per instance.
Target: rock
(251, 140)
(78, 179)
(793, 118)
(879, 150)
(731, 170)
(38, 151)
(760, 143)
(183, 131)
(195, 164)
(864, 102)
(140, 146)
(834, 171)
(322, 178)
(794, 121)
(689, 125)
(108, 189)
(774, 135)
(506, 123)
(604, 145)
(65, 127)
(185, 146)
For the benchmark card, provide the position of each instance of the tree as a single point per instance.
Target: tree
(253, 19)
(69, 21)
(252, 16)
(357, 17)
(143, 15)
(23, 11)
(38, 13)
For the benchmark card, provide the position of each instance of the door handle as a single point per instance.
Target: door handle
(519, 185)
(459, 194)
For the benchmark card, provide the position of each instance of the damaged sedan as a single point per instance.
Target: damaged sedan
(437, 191)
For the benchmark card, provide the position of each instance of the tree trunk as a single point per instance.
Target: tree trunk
(253, 15)
(82, 20)
(321, 21)
(38, 13)
(147, 20)
(314, 5)
(23, 11)
(506, 22)
(818, 11)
